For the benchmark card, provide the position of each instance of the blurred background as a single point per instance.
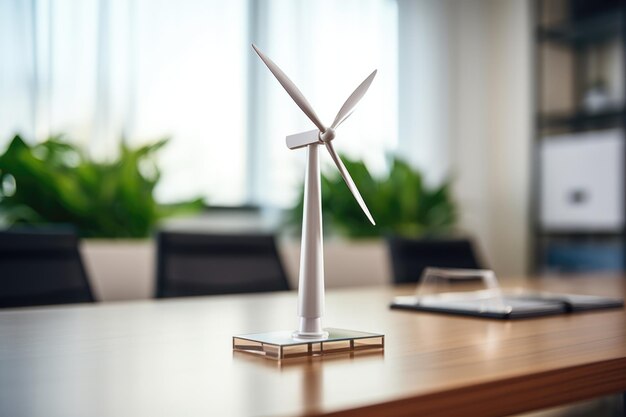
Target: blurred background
(494, 121)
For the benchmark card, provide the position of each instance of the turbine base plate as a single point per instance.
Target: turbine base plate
(282, 345)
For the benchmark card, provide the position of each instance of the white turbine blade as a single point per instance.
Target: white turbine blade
(291, 88)
(348, 179)
(352, 101)
(302, 139)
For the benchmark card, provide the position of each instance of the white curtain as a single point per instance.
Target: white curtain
(18, 82)
(65, 70)
(99, 70)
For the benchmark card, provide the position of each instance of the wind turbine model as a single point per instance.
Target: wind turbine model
(311, 283)
(311, 280)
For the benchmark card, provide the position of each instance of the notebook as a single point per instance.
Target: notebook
(505, 304)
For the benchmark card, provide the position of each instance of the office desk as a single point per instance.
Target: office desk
(174, 358)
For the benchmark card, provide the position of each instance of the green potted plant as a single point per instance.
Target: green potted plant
(401, 203)
(55, 182)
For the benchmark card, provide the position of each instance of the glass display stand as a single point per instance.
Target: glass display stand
(282, 345)
(480, 287)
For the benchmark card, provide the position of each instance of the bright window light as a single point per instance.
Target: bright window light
(144, 69)
(191, 85)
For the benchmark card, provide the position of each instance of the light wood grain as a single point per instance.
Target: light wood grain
(174, 358)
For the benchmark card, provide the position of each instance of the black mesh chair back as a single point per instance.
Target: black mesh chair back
(409, 257)
(41, 268)
(191, 264)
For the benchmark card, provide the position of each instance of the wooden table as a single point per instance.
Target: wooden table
(174, 358)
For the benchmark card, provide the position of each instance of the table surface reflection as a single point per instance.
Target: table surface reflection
(174, 358)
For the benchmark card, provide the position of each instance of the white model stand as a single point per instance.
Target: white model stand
(311, 280)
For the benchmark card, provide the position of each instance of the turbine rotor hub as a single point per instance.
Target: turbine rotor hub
(328, 135)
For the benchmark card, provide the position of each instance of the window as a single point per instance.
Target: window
(144, 69)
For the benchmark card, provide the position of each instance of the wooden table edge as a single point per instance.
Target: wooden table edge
(513, 395)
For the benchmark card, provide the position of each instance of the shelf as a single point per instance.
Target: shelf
(571, 56)
(583, 120)
(594, 29)
(580, 235)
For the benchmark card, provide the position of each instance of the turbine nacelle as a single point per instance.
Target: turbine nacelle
(300, 140)
(310, 137)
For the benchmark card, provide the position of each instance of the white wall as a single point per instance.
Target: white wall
(467, 82)
(510, 133)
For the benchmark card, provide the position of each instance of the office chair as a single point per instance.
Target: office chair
(41, 267)
(409, 257)
(191, 264)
